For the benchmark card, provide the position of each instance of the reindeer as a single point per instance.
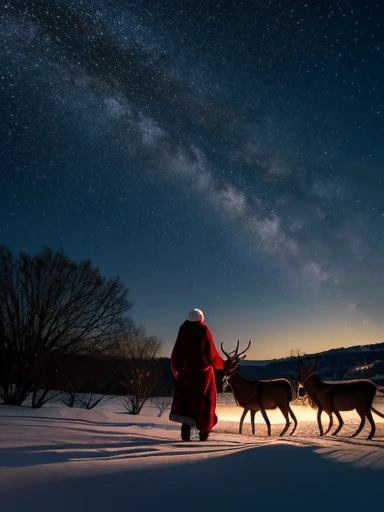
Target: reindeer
(252, 413)
(295, 394)
(339, 396)
(258, 395)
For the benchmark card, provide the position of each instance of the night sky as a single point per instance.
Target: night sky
(225, 155)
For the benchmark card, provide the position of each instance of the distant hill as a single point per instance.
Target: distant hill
(374, 347)
(340, 363)
(248, 362)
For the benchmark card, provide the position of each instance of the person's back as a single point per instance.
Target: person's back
(193, 359)
(191, 349)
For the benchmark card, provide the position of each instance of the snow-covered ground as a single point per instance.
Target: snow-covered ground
(62, 459)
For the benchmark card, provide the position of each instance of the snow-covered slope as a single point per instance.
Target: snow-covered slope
(61, 459)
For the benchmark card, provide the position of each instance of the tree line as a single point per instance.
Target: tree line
(52, 310)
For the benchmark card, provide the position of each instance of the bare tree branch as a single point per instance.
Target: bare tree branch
(143, 372)
(50, 304)
(162, 404)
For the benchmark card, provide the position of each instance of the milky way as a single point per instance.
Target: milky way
(225, 156)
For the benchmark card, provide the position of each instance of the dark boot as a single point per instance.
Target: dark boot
(203, 435)
(185, 432)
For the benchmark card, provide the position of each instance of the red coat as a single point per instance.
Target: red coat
(193, 360)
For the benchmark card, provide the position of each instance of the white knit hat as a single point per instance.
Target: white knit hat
(196, 315)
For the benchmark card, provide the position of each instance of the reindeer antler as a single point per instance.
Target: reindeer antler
(242, 352)
(225, 353)
(234, 354)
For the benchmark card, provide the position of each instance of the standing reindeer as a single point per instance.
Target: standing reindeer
(340, 396)
(252, 412)
(258, 395)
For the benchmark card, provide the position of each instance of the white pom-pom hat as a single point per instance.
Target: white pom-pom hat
(196, 315)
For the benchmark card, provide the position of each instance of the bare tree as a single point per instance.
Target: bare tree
(51, 304)
(142, 369)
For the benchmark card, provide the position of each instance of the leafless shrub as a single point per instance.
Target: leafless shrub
(70, 398)
(90, 400)
(162, 404)
(42, 396)
(142, 371)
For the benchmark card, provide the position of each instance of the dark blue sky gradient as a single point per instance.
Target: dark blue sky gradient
(223, 155)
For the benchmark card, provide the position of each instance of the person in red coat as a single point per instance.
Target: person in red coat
(193, 360)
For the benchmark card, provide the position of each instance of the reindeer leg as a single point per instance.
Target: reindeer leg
(253, 412)
(341, 422)
(372, 422)
(242, 419)
(319, 411)
(294, 420)
(266, 420)
(287, 422)
(362, 422)
(330, 424)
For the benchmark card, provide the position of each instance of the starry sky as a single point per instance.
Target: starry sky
(223, 155)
